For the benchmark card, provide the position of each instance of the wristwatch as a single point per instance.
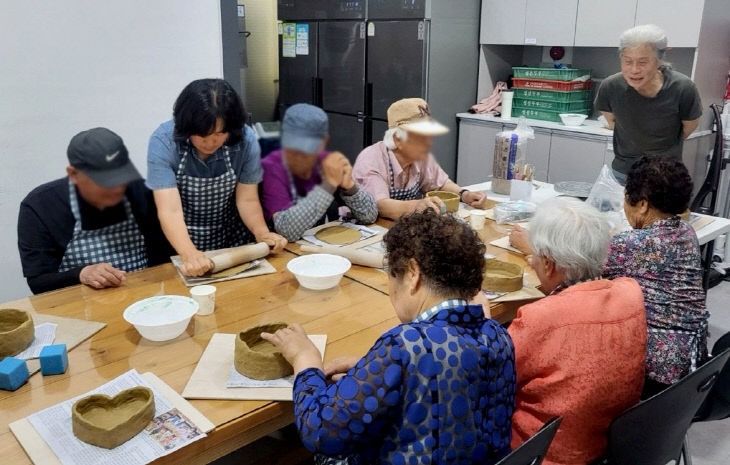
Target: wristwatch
(461, 194)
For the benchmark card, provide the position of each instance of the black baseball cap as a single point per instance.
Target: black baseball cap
(101, 155)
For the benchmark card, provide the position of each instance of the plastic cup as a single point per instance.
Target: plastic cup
(507, 104)
(520, 190)
(205, 296)
(477, 218)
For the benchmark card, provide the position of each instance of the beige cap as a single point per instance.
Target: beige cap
(413, 115)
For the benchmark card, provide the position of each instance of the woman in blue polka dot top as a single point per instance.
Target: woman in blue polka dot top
(437, 389)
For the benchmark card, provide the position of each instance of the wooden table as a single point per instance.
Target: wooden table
(352, 315)
(503, 312)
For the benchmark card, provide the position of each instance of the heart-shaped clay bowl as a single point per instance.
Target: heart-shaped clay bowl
(16, 331)
(257, 358)
(108, 422)
(502, 276)
(450, 199)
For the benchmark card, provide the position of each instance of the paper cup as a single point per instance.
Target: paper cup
(205, 297)
(477, 218)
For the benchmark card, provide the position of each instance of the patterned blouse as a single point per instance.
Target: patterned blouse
(428, 392)
(665, 259)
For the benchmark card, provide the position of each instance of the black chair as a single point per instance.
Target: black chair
(717, 403)
(532, 451)
(706, 199)
(652, 432)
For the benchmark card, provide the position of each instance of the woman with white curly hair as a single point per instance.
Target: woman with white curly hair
(579, 352)
(650, 107)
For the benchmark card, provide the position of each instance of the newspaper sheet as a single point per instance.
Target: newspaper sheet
(170, 430)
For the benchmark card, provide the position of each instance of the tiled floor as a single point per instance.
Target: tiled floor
(709, 442)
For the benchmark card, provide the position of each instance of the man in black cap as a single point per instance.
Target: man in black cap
(92, 226)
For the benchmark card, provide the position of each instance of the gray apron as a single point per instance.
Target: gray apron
(332, 213)
(122, 244)
(209, 207)
(412, 193)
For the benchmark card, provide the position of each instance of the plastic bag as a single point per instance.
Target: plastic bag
(607, 196)
(514, 212)
(509, 146)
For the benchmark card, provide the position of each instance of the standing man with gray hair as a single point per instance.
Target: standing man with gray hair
(579, 352)
(650, 107)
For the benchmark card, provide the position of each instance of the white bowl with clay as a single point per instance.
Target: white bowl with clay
(161, 318)
(319, 271)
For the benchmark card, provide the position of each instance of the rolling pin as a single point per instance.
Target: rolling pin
(239, 255)
(358, 257)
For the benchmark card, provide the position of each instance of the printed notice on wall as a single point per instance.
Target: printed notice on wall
(302, 47)
(289, 40)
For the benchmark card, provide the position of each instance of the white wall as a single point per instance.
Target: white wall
(76, 64)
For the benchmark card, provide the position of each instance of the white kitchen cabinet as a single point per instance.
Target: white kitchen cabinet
(575, 157)
(600, 23)
(476, 151)
(680, 19)
(503, 22)
(550, 22)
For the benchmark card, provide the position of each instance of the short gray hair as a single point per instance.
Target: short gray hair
(398, 132)
(645, 34)
(574, 235)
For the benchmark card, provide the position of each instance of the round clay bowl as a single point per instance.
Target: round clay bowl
(16, 331)
(111, 421)
(450, 199)
(502, 276)
(257, 358)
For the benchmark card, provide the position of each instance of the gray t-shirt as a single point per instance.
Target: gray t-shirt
(644, 125)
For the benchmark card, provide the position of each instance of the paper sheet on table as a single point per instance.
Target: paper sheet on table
(210, 376)
(698, 222)
(526, 293)
(237, 380)
(466, 209)
(47, 436)
(503, 242)
(44, 335)
(70, 331)
(309, 235)
(260, 267)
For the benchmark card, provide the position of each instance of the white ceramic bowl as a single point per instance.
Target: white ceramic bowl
(319, 271)
(572, 119)
(161, 318)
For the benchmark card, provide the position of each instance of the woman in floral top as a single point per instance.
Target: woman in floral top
(438, 388)
(663, 255)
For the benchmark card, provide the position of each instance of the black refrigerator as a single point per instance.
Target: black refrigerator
(363, 55)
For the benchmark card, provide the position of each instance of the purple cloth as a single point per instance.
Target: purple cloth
(276, 193)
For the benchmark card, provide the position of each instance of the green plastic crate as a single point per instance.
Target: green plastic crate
(552, 95)
(562, 107)
(544, 115)
(550, 73)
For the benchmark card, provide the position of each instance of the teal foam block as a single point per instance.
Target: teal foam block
(54, 359)
(13, 373)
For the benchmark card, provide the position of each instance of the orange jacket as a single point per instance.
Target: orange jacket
(579, 354)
